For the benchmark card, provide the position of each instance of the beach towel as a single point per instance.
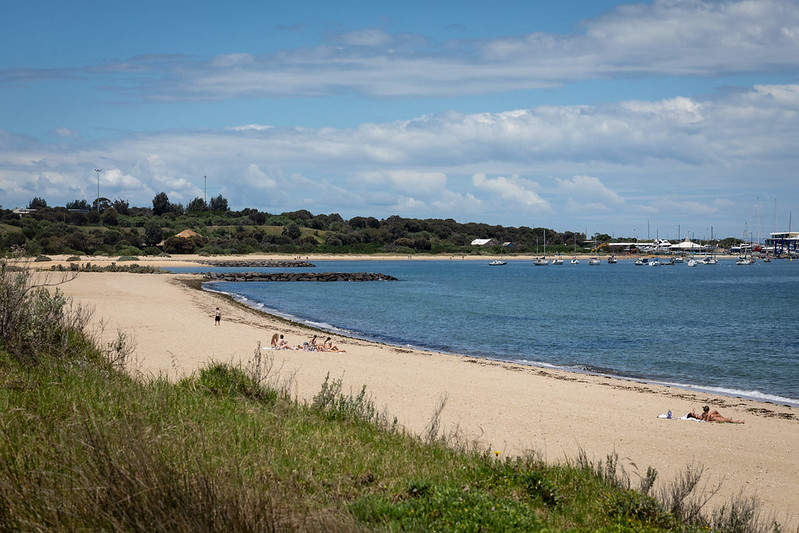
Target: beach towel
(683, 417)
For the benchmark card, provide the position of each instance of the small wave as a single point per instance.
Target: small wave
(748, 394)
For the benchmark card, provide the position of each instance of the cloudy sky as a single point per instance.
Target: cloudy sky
(589, 115)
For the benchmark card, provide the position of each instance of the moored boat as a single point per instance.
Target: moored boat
(594, 261)
(497, 262)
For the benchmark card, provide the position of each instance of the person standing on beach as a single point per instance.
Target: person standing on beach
(217, 317)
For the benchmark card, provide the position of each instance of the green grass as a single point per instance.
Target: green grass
(85, 446)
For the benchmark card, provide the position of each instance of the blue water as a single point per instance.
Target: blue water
(723, 328)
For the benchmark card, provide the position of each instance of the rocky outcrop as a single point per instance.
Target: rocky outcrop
(269, 263)
(297, 276)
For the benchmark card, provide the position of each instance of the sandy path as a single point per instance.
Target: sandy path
(512, 408)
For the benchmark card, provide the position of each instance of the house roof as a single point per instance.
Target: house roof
(188, 234)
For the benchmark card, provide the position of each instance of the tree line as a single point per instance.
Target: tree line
(109, 227)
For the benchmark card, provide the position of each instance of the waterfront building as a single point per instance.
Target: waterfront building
(783, 242)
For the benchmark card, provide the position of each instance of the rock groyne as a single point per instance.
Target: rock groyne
(268, 263)
(297, 276)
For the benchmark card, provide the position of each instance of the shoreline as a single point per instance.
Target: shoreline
(195, 260)
(766, 398)
(512, 408)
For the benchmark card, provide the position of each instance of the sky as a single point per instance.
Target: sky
(672, 118)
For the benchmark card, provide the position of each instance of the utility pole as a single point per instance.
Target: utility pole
(99, 171)
(205, 189)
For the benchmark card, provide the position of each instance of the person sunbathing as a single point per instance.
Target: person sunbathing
(282, 344)
(713, 416)
(274, 341)
(330, 347)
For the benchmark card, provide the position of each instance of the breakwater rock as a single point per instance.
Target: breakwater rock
(297, 276)
(269, 263)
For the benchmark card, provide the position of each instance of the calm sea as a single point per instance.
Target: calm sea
(721, 328)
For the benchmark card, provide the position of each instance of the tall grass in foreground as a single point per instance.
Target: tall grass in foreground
(84, 446)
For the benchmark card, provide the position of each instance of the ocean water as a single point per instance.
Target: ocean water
(721, 328)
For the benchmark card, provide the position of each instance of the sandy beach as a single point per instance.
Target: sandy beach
(510, 408)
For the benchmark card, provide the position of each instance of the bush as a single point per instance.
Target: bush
(42, 259)
(73, 258)
(128, 258)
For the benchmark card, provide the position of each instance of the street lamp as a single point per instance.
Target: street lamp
(99, 171)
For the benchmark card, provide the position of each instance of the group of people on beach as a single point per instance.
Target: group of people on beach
(312, 345)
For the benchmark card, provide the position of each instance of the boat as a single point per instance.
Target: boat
(743, 261)
(710, 260)
(612, 259)
(497, 262)
(641, 261)
(594, 261)
(767, 259)
(654, 262)
(541, 261)
(691, 262)
(669, 262)
(679, 259)
(575, 261)
(557, 261)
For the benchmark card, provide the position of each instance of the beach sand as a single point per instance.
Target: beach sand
(511, 408)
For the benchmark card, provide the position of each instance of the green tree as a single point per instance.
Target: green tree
(78, 204)
(197, 205)
(37, 203)
(292, 231)
(109, 217)
(122, 206)
(218, 204)
(161, 204)
(153, 234)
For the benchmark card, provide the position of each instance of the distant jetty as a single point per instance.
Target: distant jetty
(268, 263)
(297, 276)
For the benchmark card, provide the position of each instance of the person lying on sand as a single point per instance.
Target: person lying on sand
(328, 346)
(713, 416)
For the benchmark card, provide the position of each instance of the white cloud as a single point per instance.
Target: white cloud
(511, 190)
(65, 133)
(661, 38)
(257, 178)
(251, 127)
(632, 154)
(588, 188)
(367, 37)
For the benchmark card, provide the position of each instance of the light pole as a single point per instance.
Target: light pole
(99, 171)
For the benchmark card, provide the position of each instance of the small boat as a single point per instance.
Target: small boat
(767, 259)
(669, 262)
(497, 262)
(541, 261)
(654, 262)
(641, 261)
(594, 261)
(743, 261)
(612, 259)
(691, 262)
(710, 260)
(575, 261)
(679, 259)
(557, 261)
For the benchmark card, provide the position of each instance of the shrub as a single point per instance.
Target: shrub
(42, 259)
(128, 258)
(73, 258)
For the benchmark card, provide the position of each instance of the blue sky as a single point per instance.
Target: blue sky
(596, 115)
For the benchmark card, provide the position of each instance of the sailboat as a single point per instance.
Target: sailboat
(542, 261)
